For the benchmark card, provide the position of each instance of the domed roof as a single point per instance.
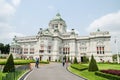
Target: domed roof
(57, 18)
(15, 45)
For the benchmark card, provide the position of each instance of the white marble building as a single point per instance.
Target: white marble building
(55, 42)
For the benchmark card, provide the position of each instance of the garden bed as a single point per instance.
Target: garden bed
(92, 75)
(108, 76)
(79, 67)
(110, 71)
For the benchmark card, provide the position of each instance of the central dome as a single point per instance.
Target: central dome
(57, 18)
(57, 23)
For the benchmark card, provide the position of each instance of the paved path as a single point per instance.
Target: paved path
(52, 71)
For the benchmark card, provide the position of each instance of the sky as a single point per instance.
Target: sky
(25, 17)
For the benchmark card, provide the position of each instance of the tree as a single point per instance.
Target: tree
(75, 61)
(92, 65)
(5, 49)
(9, 66)
(114, 57)
(2, 47)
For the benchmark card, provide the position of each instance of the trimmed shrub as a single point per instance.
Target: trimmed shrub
(9, 66)
(75, 61)
(92, 65)
(23, 62)
(79, 67)
(108, 76)
(44, 62)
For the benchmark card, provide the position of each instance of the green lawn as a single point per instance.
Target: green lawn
(91, 75)
(2, 74)
(107, 66)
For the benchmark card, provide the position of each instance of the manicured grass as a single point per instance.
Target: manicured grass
(2, 74)
(91, 75)
(107, 66)
(17, 74)
(86, 74)
(20, 74)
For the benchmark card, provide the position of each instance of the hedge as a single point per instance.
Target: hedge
(108, 76)
(44, 62)
(23, 62)
(79, 67)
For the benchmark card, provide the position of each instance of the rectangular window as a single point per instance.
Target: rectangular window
(31, 50)
(97, 48)
(97, 52)
(68, 49)
(100, 50)
(49, 47)
(25, 50)
(103, 52)
(41, 51)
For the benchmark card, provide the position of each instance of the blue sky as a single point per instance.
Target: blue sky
(25, 17)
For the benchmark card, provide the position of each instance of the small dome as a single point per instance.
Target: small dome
(57, 18)
(15, 45)
(58, 14)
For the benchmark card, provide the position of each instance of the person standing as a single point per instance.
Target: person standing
(37, 63)
(63, 62)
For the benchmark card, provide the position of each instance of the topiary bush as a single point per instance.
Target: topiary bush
(92, 65)
(75, 61)
(9, 66)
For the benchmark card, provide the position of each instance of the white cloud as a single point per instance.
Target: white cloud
(7, 33)
(16, 2)
(109, 22)
(7, 11)
(11, 35)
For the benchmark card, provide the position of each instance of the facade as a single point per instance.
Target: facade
(55, 42)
